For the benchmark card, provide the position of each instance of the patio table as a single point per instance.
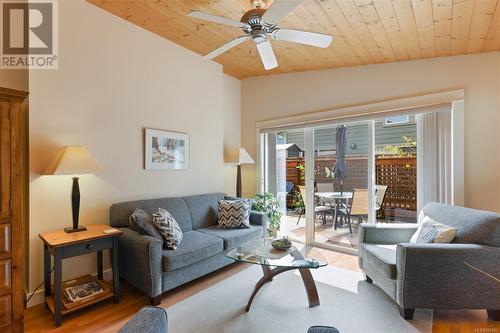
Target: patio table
(334, 197)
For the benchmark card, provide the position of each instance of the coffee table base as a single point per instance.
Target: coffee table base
(305, 273)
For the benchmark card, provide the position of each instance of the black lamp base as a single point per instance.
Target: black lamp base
(70, 229)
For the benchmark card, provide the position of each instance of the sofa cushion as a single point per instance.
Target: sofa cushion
(195, 246)
(383, 257)
(120, 212)
(430, 231)
(203, 209)
(142, 222)
(234, 237)
(168, 228)
(473, 226)
(233, 214)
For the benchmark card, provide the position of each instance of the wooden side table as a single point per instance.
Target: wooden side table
(62, 245)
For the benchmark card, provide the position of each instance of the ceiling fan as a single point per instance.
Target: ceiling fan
(260, 25)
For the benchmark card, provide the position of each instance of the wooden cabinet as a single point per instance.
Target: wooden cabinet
(13, 177)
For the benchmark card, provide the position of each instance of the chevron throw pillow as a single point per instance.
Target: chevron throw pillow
(234, 214)
(168, 227)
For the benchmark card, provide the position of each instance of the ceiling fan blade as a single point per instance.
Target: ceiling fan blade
(267, 54)
(216, 19)
(229, 45)
(303, 37)
(278, 10)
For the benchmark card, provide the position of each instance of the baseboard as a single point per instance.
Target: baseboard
(39, 295)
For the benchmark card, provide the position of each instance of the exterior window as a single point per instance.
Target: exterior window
(397, 120)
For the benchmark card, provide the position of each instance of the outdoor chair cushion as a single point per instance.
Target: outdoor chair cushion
(383, 257)
(195, 246)
(234, 237)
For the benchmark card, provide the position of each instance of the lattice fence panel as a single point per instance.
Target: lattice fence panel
(399, 173)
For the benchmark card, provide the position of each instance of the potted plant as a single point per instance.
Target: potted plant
(266, 202)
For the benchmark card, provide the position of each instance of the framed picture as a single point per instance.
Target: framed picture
(166, 150)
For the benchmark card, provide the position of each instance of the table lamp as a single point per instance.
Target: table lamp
(239, 156)
(73, 160)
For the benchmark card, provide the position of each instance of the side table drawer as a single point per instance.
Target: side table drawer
(87, 247)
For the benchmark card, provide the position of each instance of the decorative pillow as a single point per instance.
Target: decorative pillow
(430, 231)
(168, 227)
(142, 222)
(234, 214)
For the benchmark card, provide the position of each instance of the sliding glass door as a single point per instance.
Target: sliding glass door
(341, 180)
(396, 168)
(329, 179)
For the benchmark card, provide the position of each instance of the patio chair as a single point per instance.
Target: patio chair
(380, 192)
(324, 187)
(289, 190)
(358, 207)
(319, 207)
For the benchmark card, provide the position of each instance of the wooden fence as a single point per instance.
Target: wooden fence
(398, 173)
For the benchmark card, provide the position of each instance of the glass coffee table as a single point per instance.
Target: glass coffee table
(273, 262)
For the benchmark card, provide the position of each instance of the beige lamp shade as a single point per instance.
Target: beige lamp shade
(239, 156)
(73, 160)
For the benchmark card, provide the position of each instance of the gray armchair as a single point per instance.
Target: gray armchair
(461, 275)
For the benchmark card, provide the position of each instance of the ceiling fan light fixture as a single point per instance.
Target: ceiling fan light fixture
(266, 54)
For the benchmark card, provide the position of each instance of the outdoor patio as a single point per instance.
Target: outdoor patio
(324, 233)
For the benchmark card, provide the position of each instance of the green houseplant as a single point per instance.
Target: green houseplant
(266, 202)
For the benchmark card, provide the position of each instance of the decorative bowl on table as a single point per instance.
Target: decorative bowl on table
(281, 244)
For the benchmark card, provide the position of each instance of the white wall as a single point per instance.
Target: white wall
(14, 79)
(284, 95)
(115, 79)
(232, 128)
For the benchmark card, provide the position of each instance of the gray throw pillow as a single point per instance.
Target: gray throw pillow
(234, 214)
(142, 222)
(168, 227)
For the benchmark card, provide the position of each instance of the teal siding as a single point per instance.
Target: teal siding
(324, 137)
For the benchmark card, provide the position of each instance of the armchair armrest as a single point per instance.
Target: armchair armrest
(259, 218)
(448, 276)
(382, 233)
(140, 261)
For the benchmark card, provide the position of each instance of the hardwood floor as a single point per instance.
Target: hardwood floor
(110, 317)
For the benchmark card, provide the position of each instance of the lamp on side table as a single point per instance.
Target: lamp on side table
(73, 160)
(239, 156)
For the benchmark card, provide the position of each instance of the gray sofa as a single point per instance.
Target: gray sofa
(436, 276)
(154, 270)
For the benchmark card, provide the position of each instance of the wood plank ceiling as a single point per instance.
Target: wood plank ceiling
(365, 31)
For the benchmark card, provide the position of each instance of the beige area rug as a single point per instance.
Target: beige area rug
(347, 303)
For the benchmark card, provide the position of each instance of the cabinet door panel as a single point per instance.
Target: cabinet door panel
(5, 144)
(5, 241)
(5, 309)
(5, 277)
